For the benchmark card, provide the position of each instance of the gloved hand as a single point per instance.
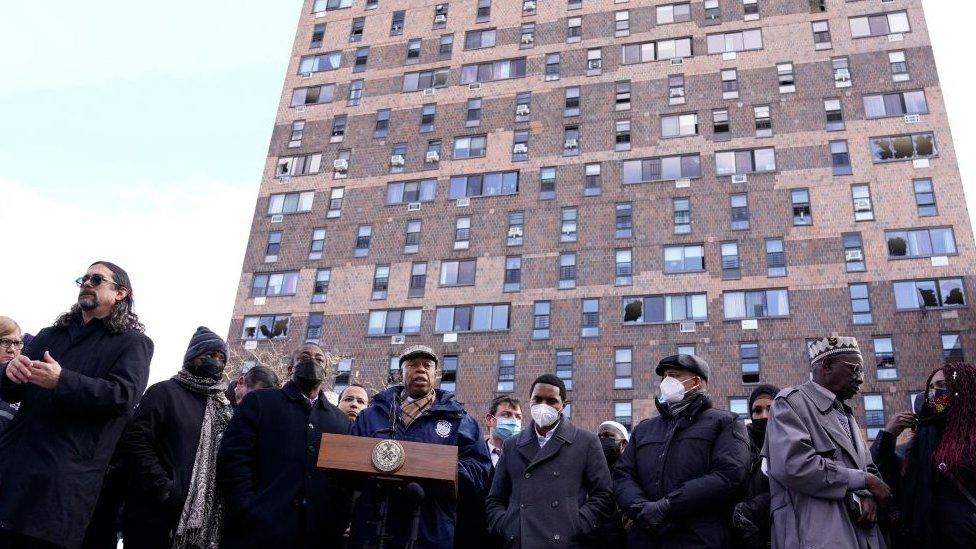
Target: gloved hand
(742, 520)
(652, 515)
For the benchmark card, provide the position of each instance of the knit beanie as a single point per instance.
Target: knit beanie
(204, 341)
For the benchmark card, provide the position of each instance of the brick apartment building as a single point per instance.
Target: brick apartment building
(584, 187)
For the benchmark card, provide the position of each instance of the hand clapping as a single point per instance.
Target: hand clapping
(43, 373)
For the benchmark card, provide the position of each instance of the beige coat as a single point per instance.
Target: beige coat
(809, 460)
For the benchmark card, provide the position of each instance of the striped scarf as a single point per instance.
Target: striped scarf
(202, 516)
(411, 410)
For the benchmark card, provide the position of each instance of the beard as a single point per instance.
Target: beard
(87, 302)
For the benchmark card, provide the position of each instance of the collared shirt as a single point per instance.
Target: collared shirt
(543, 439)
(855, 477)
(494, 452)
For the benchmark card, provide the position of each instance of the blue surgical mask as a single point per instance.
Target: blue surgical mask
(507, 427)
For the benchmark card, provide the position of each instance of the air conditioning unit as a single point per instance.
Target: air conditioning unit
(687, 327)
(862, 204)
(397, 160)
(301, 108)
(277, 218)
(912, 118)
(306, 75)
(520, 148)
(571, 144)
(440, 18)
(853, 255)
(413, 207)
(340, 164)
(398, 340)
(432, 156)
(515, 232)
(474, 86)
(463, 202)
(528, 38)
(528, 6)
(740, 178)
(594, 64)
(430, 91)
(522, 110)
(677, 61)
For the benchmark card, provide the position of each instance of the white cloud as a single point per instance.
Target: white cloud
(182, 244)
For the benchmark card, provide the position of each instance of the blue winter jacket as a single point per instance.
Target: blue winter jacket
(445, 422)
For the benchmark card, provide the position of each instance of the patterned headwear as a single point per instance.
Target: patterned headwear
(833, 345)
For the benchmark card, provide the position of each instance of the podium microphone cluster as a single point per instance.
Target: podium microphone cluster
(415, 495)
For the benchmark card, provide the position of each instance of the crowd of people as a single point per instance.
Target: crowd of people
(89, 455)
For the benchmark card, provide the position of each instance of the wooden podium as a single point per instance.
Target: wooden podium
(350, 454)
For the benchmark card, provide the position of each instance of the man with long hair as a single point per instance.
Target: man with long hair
(77, 384)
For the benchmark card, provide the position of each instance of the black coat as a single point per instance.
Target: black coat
(274, 495)
(697, 460)
(54, 454)
(553, 496)
(755, 497)
(158, 447)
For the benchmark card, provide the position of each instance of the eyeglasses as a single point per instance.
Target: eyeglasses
(17, 344)
(95, 280)
(856, 369)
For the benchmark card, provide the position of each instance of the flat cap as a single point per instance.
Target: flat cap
(417, 351)
(688, 363)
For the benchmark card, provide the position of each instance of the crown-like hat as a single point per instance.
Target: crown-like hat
(833, 345)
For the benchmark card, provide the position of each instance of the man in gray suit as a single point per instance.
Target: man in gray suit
(824, 490)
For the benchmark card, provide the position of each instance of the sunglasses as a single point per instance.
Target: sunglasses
(95, 280)
(11, 344)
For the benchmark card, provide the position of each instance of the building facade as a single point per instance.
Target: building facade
(586, 186)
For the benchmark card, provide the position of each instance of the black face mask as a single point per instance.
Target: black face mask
(611, 450)
(209, 368)
(757, 430)
(308, 371)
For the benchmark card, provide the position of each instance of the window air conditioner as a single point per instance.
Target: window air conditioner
(429, 91)
(277, 218)
(340, 164)
(515, 232)
(413, 207)
(687, 327)
(528, 38)
(398, 340)
(862, 205)
(306, 75)
(912, 118)
(853, 255)
(397, 160)
(300, 108)
(740, 178)
(520, 148)
(463, 202)
(594, 64)
(571, 144)
(528, 6)
(440, 18)
(432, 156)
(522, 110)
(677, 61)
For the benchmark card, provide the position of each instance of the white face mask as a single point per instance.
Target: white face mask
(672, 390)
(544, 415)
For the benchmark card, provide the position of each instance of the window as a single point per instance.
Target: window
(821, 35)
(622, 99)
(840, 159)
(787, 79)
(440, 16)
(624, 220)
(308, 164)
(356, 29)
(739, 204)
(665, 168)
(338, 128)
(471, 318)
(643, 52)
(513, 274)
(568, 227)
(362, 58)
(861, 304)
(318, 244)
(679, 125)
(274, 284)
(363, 237)
(493, 70)
(469, 146)
(428, 113)
(756, 304)
(735, 41)
(684, 259)
(926, 294)
(313, 330)
(418, 280)
(591, 180)
(895, 104)
(674, 13)
(590, 324)
(321, 62)
(381, 281)
(528, 7)
(903, 147)
(952, 347)
(750, 10)
(863, 209)
(623, 368)
(621, 135)
(880, 25)
(484, 11)
(458, 273)
(623, 413)
(899, 66)
(326, 5)
(405, 192)
(740, 407)
(874, 416)
(355, 93)
(552, 66)
(712, 10)
(834, 115)
(446, 44)
(540, 320)
(411, 241)
(571, 140)
(415, 81)
(394, 321)
(523, 102)
(574, 4)
(921, 242)
(747, 161)
(547, 183)
(449, 373)
(924, 197)
(473, 115)
(274, 247)
(884, 358)
(516, 226)
(290, 203)
(265, 327)
(749, 355)
(396, 23)
(487, 184)
(624, 267)
(665, 308)
(721, 130)
(371, 4)
(564, 367)
(335, 202)
(477, 39)
(764, 121)
(572, 106)
(462, 233)
(775, 257)
(506, 372)
(574, 29)
(567, 270)
(382, 123)
(731, 269)
(621, 23)
(853, 252)
(682, 215)
(842, 72)
(527, 39)
(730, 84)
(313, 95)
(801, 207)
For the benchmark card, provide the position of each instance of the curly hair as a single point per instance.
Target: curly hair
(122, 318)
(957, 446)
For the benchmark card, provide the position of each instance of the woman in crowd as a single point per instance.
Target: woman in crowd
(11, 344)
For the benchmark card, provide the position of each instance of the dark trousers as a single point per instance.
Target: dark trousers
(13, 540)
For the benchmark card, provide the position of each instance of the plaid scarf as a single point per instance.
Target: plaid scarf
(411, 410)
(202, 516)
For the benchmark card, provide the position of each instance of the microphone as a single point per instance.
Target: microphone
(415, 496)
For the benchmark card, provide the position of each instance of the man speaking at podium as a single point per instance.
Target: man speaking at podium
(391, 514)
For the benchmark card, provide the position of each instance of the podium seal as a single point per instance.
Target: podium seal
(388, 456)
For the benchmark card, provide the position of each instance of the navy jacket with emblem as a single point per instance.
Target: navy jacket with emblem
(445, 422)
